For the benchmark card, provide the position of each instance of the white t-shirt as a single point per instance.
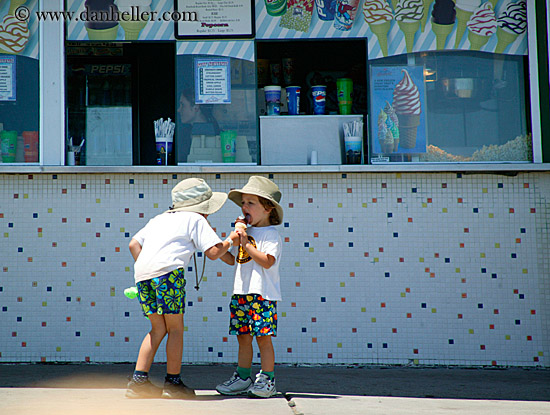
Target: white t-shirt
(169, 240)
(252, 278)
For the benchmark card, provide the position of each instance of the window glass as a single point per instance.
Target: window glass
(216, 106)
(19, 86)
(449, 107)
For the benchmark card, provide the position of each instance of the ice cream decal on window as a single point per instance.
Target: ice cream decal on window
(14, 34)
(395, 27)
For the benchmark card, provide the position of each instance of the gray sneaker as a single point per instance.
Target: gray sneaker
(235, 385)
(263, 387)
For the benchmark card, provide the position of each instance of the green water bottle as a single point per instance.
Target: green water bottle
(131, 292)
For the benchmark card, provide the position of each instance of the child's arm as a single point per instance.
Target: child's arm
(135, 248)
(228, 258)
(264, 260)
(219, 250)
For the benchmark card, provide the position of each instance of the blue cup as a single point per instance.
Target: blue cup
(293, 97)
(319, 94)
(326, 9)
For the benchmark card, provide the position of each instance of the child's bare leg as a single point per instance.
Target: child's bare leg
(174, 343)
(151, 343)
(245, 350)
(267, 353)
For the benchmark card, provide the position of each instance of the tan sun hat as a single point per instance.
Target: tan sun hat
(263, 187)
(194, 195)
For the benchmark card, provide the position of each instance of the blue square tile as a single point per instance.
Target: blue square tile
(35, 215)
(350, 244)
(369, 345)
(270, 176)
(126, 314)
(476, 210)
(323, 299)
(493, 275)
(49, 289)
(500, 185)
(140, 195)
(390, 215)
(220, 354)
(286, 225)
(4, 308)
(218, 176)
(174, 176)
(480, 306)
(483, 270)
(384, 345)
(102, 259)
(304, 330)
(395, 235)
(423, 305)
(220, 309)
(127, 234)
(413, 189)
(19, 319)
(344, 176)
(68, 299)
(387, 274)
(20, 249)
(77, 334)
(451, 341)
(518, 322)
(350, 229)
(522, 296)
(447, 260)
(107, 225)
(190, 304)
(210, 349)
(522, 230)
(131, 181)
(513, 255)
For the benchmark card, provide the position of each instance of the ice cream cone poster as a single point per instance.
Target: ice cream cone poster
(395, 27)
(110, 20)
(18, 28)
(397, 110)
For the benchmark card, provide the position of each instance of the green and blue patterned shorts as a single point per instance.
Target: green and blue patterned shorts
(164, 294)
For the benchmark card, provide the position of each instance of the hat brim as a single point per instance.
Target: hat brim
(207, 207)
(236, 196)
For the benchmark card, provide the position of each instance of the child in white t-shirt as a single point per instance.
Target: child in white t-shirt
(256, 288)
(162, 250)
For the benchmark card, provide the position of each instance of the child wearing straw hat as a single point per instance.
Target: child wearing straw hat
(162, 250)
(256, 289)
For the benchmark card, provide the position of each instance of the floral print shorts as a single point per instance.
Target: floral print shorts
(164, 294)
(252, 314)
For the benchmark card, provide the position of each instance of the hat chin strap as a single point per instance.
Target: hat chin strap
(197, 280)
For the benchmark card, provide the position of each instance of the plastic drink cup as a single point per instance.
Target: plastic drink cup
(30, 146)
(228, 140)
(293, 97)
(9, 145)
(275, 7)
(164, 149)
(273, 99)
(344, 88)
(345, 14)
(353, 146)
(319, 93)
(288, 70)
(326, 9)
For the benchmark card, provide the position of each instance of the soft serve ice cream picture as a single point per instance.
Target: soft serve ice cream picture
(378, 14)
(398, 106)
(481, 26)
(14, 33)
(99, 25)
(512, 22)
(133, 26)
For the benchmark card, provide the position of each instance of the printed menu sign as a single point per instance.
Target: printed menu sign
(214, 19)
(7, 78)
(212, 81)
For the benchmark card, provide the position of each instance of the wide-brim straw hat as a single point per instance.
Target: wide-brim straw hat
(194, 195)
(259, 186)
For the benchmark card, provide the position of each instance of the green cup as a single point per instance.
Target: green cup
(344, 88)
(228, 140)
(275, 7)
(9, 145)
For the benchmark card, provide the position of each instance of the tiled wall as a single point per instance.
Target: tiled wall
(390, 268)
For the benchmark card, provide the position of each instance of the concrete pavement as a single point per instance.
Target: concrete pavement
(318, 390)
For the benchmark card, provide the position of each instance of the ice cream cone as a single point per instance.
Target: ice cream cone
(462, 17)
(381, 31)
(477, 41)
(504, 39)
(102, 34)
(132, 29)
(14, 4)
(408, 126)
(409, 30)
(387, 147)
(427, 4)
(441, 32)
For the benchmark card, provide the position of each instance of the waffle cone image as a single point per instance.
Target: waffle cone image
(477, 41)
(132, 29)
(408, 127)
(442, 31)
(102, 34)
(462, 18)
(409, 30)
(504, 39)
(427, 4)
(381, 31)
(395, 144)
